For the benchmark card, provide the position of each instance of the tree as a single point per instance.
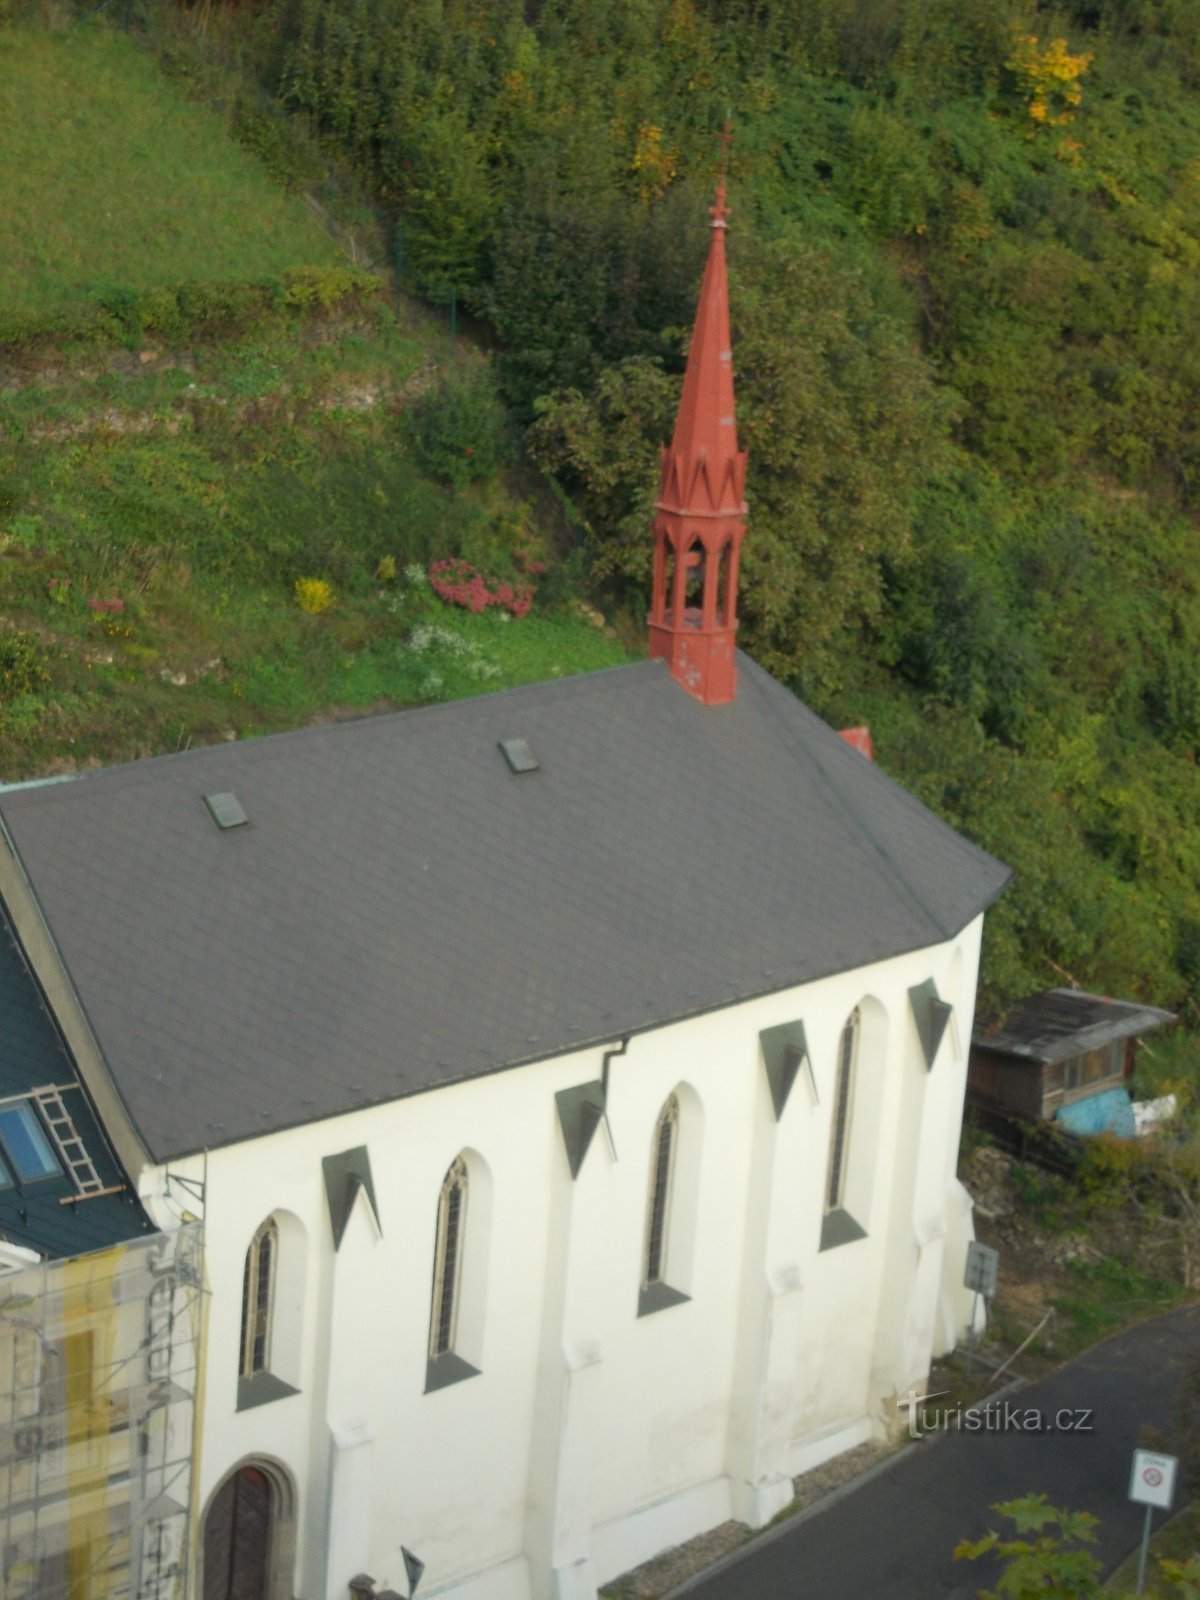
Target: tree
(1056, 1560)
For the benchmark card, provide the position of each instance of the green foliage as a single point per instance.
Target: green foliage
(1055, 1562)
(194, 310)
(581, 282)
(326, 288)
(842, 423)
(459, 429)
(605, 446)
(1056, 1558)
(22, 666)
(267, 135)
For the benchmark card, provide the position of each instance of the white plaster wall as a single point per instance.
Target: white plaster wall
(677, 1361)
(592, 1435)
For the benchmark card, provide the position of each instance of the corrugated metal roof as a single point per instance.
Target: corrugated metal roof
(1060, 1023)
(401, 914)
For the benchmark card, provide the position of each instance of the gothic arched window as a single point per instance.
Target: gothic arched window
(658, 1208)
(258, 1293)
(843, 1100)
(447, 1260)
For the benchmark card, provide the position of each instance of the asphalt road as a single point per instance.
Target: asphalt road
(891, 1537)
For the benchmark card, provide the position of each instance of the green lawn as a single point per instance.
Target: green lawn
(109, 179)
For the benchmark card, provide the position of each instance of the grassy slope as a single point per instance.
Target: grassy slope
(108, 178)
(195, 495)
(158, 506)
(1175, 1540)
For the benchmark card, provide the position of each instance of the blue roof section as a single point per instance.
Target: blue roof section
(33, 1056)
(401, 911)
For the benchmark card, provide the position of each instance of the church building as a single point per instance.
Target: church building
(568, 1082)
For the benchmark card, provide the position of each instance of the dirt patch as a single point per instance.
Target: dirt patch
(1028, 1302)
(107, 420)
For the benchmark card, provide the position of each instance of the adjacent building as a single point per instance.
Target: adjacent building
(100, 1337)
(1063, 1056)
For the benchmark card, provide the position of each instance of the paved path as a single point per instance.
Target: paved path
(891, 1537)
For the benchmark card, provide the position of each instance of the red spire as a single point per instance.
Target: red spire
(700, 512)
(704, 465)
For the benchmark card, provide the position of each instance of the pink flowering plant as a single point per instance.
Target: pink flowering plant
(458, 583)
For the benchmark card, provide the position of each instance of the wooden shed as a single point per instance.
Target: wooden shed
(1055, 1049)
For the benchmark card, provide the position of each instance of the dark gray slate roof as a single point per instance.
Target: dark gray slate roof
(33, 1056)
(1061, 1023)
(403, 911)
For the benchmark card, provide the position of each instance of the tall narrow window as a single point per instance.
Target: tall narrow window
(842, 1102)
(258, 1286)
(447, 1260)
(662, 1167)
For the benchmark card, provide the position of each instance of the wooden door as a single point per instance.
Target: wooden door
(237, 1539)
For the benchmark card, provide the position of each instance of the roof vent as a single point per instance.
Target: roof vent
(226, 809)
(518, 755)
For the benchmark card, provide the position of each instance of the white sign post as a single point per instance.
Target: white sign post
(1151, 1483)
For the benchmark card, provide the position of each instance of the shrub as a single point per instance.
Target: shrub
(460, 430)
(269, 136)
(323, 288)
(313, 595)
(176, 311)
(22, 665)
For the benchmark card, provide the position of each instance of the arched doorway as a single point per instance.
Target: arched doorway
(248, 1531)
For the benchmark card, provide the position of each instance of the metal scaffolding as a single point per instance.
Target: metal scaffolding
(100, 1378)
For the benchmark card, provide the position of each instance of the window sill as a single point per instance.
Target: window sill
(442, 1371)
(260, 1389)
(657, 1297)
(839, 1227)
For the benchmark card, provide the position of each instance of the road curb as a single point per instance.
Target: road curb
(776, 1530)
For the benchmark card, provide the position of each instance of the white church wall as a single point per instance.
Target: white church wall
(955, 1302)
(667, 1374)
(592, 1435)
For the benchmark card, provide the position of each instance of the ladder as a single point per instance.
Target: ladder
(66, 1138)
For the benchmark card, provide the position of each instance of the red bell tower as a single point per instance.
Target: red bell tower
(700, 515)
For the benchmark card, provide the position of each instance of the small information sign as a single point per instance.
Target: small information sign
(1152, 1481)
(982, 1262)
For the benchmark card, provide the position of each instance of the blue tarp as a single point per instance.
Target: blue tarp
(1108, 1112)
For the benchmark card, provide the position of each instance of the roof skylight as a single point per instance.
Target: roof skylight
(518, 755)
(226, 809)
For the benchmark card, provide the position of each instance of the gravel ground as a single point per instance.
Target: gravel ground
(657, 1577)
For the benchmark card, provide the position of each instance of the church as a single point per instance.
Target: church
(567, 1082)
